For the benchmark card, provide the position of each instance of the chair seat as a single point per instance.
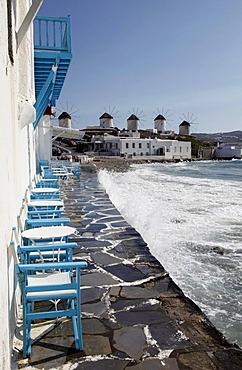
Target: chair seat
(49, 279)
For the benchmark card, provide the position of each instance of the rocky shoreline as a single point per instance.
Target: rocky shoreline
(118, 164)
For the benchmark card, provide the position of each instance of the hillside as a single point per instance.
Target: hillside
(232, 137)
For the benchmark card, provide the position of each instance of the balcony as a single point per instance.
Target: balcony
(52, 57)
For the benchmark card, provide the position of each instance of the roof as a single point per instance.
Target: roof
(106, 115)
(70, 133)
(64, 115)
(132, 117)
(185, 123)
(159, 117)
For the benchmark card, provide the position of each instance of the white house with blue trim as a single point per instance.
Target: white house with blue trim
(33, 67)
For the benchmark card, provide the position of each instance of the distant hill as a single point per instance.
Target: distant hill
(232, 137)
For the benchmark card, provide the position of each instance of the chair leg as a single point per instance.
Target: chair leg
(24, 331)
(74, 323)
(79, 324)
(30, 305)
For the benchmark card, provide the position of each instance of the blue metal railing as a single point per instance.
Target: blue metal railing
(53, 34)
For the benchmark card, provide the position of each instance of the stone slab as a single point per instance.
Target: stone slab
(91, 294)
(143, 318)
(132, 292)
(93, 326)
(104, 364)
(168, 336)
(104, 259)
(125, 272)
(96, 345)
(97, 279)
(97, 309)
(130, 340)
(157, 364)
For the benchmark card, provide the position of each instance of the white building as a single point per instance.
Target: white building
(17, 151)
(22, 105)
(132, 147)
(226, 151)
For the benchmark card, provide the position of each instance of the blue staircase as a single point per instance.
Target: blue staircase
(52, 57)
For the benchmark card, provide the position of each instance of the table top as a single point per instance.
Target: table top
(45, 203)
(45, 190)
(46, 232)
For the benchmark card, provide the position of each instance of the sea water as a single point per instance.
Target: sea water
(190, 215)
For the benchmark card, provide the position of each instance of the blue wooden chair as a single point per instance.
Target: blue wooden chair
(52, 196)
(46, 252)
(45, 214)
(47, 183)
(39, 222)
(50, 286)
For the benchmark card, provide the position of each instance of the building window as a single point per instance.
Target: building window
(187, 149)
(134, 154)
(167, 150)
(133, 145)
(180, 149)
(127, 145)
(148, 145)
(147, 153)
(141, 154)
(175, 149)
(116, 145)
(140, 145)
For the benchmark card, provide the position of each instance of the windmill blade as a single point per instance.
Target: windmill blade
(190, 118)
(73, 119)
(75, 111)
(62, 106)
(164, 113)
(112, 111)
(71, 109)
(194, 121)
(140, 113)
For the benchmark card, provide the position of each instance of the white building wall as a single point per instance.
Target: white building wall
(43, 139)
(181, 149)
(226, 152)
(17, 160)
(136, 147)
(166, 149)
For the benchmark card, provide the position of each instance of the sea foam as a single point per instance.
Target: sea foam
(190, 215)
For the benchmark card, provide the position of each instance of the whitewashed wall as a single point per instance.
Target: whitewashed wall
(43, 139)
(172, 149)
(17, 159)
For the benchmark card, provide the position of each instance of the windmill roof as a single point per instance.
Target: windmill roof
(105, 115)
(185, 123)
(64, 115)
(133, 116)
(159, 117)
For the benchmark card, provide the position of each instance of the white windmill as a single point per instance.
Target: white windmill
(161, 120)
(109, 118)
(188, 120)
(68, 115)
(135, 119)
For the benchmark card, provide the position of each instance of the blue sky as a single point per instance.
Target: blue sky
(149, 55)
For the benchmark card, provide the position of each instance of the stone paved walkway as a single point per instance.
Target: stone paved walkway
(133, 315)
